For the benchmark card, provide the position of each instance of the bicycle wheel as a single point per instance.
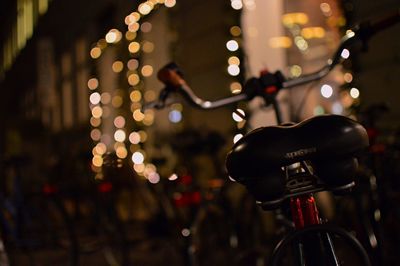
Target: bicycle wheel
(39, 233)
(321, 245)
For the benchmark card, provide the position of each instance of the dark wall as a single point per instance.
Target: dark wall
(202, 32)
(377, 71)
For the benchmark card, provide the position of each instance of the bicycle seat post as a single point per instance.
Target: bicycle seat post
(304, 211)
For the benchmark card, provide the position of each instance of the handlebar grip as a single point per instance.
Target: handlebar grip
(170, 75)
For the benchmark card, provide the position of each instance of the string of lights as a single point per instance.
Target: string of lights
(136, 73)
(130, 135)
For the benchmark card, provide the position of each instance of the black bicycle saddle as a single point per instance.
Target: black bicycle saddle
(330, 142)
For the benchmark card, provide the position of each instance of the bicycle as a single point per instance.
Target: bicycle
(35, 227)
(195, 206)
(91, 208)
(208, 203)
(305, 158)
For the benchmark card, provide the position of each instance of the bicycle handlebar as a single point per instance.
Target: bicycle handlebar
(268, 84)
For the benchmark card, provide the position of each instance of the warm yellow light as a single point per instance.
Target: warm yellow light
(134, 27)
(93, 83)
(290, 19)
(301, 43)
(129, 20)
(313, 32)
(118, 144)
(43, 6)
(117, 66)
(354, 93)
(100, 148)
(130, 36)
(117, 101)
(134, 47)
(348, 77)
(113, 36)
(235, 87)
(235, 31)
(138, 115)
(346, 99)
(145, 8)
(136, 16)
(170, 3)
(295, 70)
(133, 79)
(95, 52)
(143, 135)
(241, 124)
(150, 168)
(350, 33)
(94, 152)
(135, 96)
(135, 105)
(121, 152)
(147, 70)
(97, 112)
(102, 44)
(97, 160)
(280, 42)
(139, 168)
(177, 106)
(326, 9)
(148, 117)
(95, 122)
(132, 18)
(234, 60)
